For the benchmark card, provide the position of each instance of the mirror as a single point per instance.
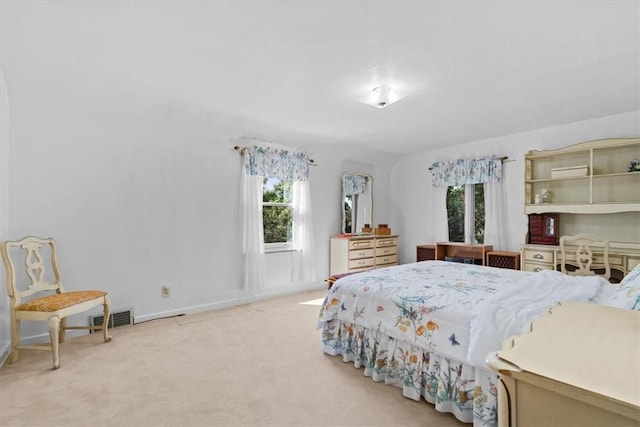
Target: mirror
(357, 201)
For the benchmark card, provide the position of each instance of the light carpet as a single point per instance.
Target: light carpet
(317, 301)
(258, 364)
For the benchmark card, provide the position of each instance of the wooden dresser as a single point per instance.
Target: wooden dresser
(359, 253)
(578, 367)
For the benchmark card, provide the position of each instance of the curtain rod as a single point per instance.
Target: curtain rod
(241, 150)
(504, 159)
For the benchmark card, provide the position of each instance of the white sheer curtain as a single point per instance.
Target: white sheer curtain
(304, 269)
(470, 213)
(494, 215)
(438, 218)
(251, 232)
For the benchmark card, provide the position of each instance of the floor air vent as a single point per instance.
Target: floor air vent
(119, 318)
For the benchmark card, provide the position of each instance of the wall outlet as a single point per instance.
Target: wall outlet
(166, 291)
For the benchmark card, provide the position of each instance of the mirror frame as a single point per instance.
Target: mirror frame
(344, 195)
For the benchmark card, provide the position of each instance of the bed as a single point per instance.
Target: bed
(426, 327)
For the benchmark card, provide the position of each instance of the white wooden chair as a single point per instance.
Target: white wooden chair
(53, 308)
(577, 251)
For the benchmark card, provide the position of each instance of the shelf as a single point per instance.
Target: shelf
(625, 174)
(607, 188)
(568, 178)
(582, 208)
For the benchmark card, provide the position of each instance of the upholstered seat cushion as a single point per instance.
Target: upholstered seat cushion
(59, 301)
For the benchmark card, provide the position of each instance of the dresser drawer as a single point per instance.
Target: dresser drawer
(530, 266)
(391, 241)
(360, 253)
(360, 244)
(387, 250)
(632, 263)
(538, 256)
(360, 263)
(389, 259)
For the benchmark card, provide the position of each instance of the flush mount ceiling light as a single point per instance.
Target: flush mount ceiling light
(382, 96)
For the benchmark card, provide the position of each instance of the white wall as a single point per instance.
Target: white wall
(4, 211)
(142, 197)
(411, 180)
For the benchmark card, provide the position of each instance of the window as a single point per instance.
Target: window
(277, 213)
(465, 213)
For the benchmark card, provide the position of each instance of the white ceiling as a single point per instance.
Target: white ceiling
(284, 70)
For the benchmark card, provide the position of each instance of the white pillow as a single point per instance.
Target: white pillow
(627, 294)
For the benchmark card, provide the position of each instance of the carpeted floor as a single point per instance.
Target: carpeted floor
(256, 364)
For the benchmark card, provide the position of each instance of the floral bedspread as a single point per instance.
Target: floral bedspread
(428, 303)
(410, 326)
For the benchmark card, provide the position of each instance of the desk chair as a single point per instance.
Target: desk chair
(578, 251)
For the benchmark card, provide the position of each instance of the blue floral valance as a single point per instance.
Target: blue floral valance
(354, 184)
(276, 163)
(466, 171)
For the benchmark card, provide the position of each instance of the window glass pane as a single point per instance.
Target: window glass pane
(276, 190)
(277, 224)
(277, 220)
(455, 213)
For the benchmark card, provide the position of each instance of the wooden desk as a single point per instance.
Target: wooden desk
(578, 367)
(547, 257)
(462, 250)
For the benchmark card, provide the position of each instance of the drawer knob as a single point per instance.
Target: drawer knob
(537, 269)
(538, 256)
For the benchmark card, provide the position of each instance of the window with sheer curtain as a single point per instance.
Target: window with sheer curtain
(462, 179)
(260, 165)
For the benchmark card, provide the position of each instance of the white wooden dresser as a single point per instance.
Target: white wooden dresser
(359, 253)
(579, 366)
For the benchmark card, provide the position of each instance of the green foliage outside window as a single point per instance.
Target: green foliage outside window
(479, 217)
(277, 211)
(455, 213)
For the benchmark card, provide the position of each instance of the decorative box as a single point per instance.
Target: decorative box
(543, 229)
(571, 171)
(383, 229)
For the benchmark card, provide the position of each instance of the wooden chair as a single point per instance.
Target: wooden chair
(53, 308)
(577, 252)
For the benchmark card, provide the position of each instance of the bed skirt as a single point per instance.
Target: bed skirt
(469, 393)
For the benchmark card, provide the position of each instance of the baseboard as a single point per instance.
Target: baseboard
(44, 338)
(5, 353)
(230, 302)
(37, 339)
